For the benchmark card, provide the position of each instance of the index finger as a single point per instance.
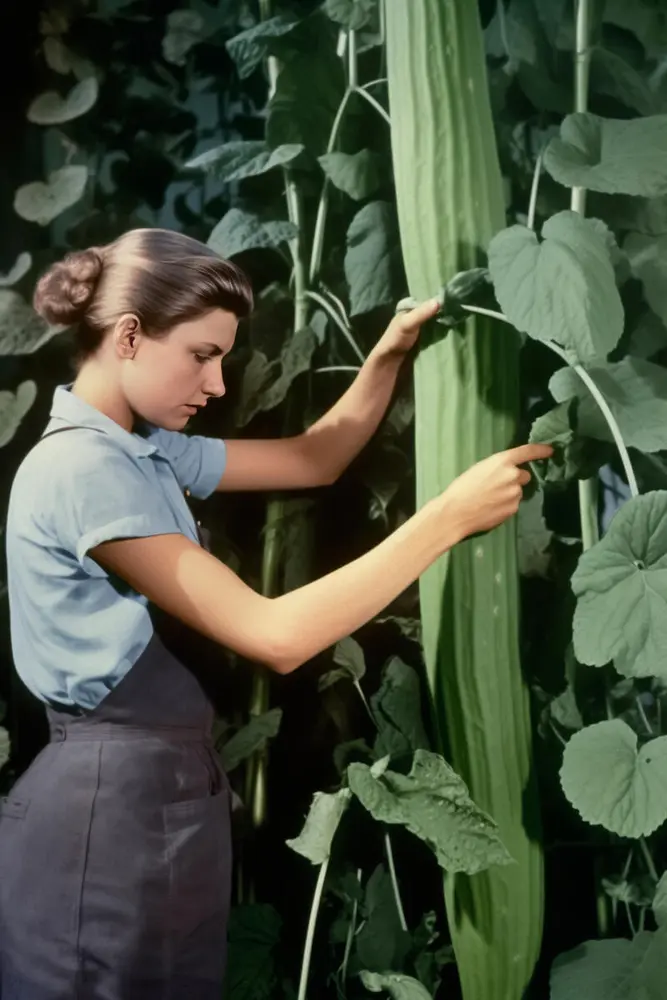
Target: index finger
(420, 313)
(529, 453)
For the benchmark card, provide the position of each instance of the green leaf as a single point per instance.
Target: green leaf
(621, 590)
(257, 376)
(371, 245)
(574, 456)
(184, 29)
(397, 711)
(352, 14)
(398, 987)
(295, 359)
(357, 174)
(603, 970)
(254, 936)
(381, 943)
(649, 336)
(326, 811)
(349, 656)
(250, 738)
(239, 230)
(565, 711)
(234, 161)
(632, 799)
(13, 408)
(42, 203)
(62, 60)
(648, 262)
(22, 331)
(432, 801)
(21, 267)
(308, 93)
(609, 155)
(52, 109)
(660, 902)
(636, 392)
(533, 537)
(562, 289)
(248, 48)
(612, 75)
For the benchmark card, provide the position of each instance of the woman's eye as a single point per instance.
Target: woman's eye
(201, 358)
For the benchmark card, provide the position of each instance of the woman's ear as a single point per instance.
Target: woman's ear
(126, 335)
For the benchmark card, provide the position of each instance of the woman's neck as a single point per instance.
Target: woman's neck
(94, 386)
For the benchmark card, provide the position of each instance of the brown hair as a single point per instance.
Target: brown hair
(162, 277)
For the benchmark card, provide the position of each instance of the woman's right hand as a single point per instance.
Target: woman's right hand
(490, 491)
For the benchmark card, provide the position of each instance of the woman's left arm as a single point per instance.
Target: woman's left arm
(319, 455)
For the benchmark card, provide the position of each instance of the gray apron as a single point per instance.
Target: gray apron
(115, 845)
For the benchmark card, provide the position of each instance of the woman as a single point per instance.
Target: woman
(115, 845)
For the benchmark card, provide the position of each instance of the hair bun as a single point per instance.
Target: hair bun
(64, 293)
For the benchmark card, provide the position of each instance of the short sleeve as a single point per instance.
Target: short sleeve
(198, 462)
(103, 494)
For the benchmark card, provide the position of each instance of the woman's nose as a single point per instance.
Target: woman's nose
(214, 383)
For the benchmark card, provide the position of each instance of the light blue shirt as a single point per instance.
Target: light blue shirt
(74, 632)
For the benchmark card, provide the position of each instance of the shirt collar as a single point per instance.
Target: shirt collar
(70, 410)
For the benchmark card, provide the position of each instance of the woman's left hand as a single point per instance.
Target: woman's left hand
(402, 333)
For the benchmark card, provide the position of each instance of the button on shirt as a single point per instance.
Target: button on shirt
(75, 630)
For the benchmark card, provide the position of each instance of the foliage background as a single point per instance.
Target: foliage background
(160, 104)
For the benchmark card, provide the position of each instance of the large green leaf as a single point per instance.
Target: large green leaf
(397, 711)
(398, 986)
(22, 331)
(185, 28)
(352, 14)
(371, 246)
(260, 390)
(19, 270)
(562, 289)
(432, 801)
(326, 811)
(233, 161)
(13, 408)
(614, 156)
(621, 590)
(52, 109)
(248, 48)
(632, 799)
(605, 970)
(648, 261)
(239, 230)
(254, 936)
(636, 392)
(533, 537)
(42, 203)
(308, 93)
(250, 738)
(612, 75)
(357, 174)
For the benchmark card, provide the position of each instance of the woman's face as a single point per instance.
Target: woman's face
(167, 379)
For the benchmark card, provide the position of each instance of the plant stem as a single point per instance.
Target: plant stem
(594, 391)
(394, 882)
(334, 368)
(642, 715)
(344, 329)
(631, 922)
(532, 206)
(351, 931)
(310, 931)
(648, 858)
(588, 488)
(323, 207)
(376, 104)
(361, 694)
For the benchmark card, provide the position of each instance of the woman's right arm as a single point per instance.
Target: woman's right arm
(284, 632)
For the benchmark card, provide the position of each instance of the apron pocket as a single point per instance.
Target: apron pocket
(199, 859)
